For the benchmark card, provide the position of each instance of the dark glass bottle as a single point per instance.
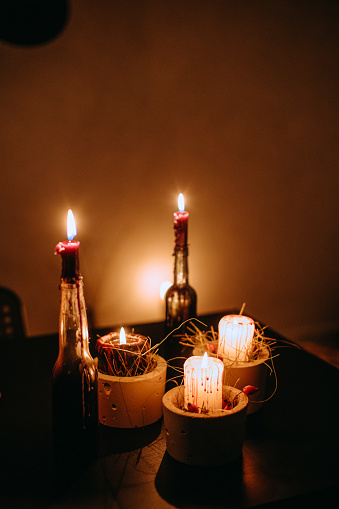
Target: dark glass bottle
(181, 304)
(180, 298)
(75, 403)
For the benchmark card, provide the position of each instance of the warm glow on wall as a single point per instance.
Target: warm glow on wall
(151, 277)
(163, 288)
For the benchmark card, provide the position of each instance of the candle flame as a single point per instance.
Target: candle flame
(71, 226)
(122, 340)
(204, 362)
(181, 203)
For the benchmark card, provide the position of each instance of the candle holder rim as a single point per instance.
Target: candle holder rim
(264, 357)
(170, 396)
(109, 337)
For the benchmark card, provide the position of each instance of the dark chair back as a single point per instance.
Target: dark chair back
(11, 318)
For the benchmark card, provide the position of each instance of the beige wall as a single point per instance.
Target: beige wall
(233, 103)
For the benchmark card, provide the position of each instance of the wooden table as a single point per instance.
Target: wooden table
(290, 454)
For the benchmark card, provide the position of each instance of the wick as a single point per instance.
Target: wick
(242, 308)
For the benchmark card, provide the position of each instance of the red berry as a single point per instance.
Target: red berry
(192, 408)
(249, 390)
(227, 405)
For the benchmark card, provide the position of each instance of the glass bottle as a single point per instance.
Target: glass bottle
(180, 298)
(181, 304)
(75, 378)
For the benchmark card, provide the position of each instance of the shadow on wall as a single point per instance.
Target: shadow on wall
(32, 22)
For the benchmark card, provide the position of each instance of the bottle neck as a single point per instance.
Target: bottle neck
(181, 266)
(73, 326)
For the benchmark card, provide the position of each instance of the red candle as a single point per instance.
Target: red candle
(180, 219)
(69, 251)
(121, 354)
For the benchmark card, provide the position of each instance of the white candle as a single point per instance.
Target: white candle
(235, 337)
(203, 378)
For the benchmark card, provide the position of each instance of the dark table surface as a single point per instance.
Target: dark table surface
(290, 454)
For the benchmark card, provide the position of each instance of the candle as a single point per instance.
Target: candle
(122, 354)
(69, 251)
(203, 377)
(235, 337)
(180, 219)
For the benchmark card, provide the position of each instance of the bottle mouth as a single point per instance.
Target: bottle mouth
(181, 249)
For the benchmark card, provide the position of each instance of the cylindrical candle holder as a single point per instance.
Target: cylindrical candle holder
(250, 373)
(201, 439)
(123, 359)
(247, 373)
(132, 401)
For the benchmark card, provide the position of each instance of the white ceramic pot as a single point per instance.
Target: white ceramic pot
(132, 402)
(247, 373)
(204, 439)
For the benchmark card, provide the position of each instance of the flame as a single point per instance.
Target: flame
(181, 203)
(71, 226)
(204, 362)
(122, 340)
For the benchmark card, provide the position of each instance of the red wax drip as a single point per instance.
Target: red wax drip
(180, 220)
(69, 251)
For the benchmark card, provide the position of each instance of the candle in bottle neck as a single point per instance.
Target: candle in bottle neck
(69, 251)
(180, 219)
(180, 298)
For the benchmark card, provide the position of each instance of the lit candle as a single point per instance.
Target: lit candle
(235, 337)
(180, 219)
(69, 251)
(203, 377)
(122, 354)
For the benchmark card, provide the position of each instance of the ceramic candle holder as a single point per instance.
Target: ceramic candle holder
(204, 439)
(132, 401)
(250, 373)
(247, 373)
(123, 359)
